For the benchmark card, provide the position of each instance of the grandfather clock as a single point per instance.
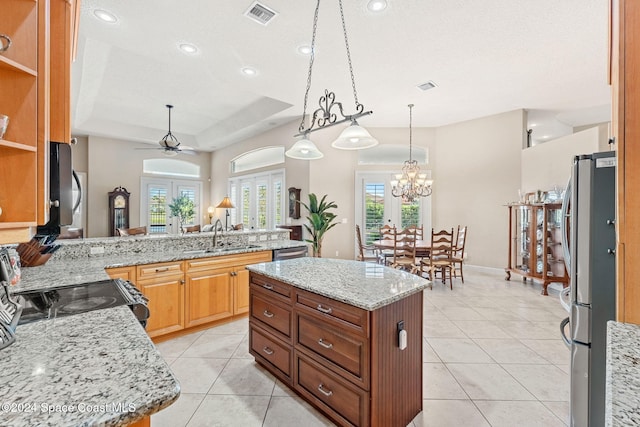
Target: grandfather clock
(118, 210)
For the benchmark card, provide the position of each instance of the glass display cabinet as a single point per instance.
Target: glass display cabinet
(535, 243)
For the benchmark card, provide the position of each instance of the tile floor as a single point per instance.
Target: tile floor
(492, 357)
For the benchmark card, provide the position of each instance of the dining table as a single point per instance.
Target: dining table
(423, 247)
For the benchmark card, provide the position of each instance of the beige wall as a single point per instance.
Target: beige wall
(547, 165)
(112, 163)
(477, 171)
(296, 171)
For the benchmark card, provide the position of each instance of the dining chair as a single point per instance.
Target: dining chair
(387, 232)
(192, 229)
(458, 252)
(440, 258)
(366, 252)
(132, 231)
(420, 254)
(404, 251)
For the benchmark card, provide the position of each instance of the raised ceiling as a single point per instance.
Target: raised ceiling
(486, 57)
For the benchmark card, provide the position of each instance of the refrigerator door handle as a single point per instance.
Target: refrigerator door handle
(563, 226)
(563, 335)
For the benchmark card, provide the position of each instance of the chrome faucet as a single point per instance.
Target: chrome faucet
(215, 232)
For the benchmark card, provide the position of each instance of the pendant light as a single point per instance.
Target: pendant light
(411, 184)
(331, 112)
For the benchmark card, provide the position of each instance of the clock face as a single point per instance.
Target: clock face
(119, 202)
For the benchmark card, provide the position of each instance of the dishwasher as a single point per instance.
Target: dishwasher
(288, 253)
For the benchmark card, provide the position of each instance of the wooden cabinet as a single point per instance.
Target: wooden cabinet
(625, 55)
(35, 92)
(194, 292)
(126, 273)
(535, 243)
(163, 285)
(20, 90)
(342, 359)
(209, 295)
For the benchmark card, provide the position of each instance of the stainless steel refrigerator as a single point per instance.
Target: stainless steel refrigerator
(590, 200)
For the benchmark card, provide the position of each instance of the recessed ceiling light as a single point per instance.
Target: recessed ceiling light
(377, 5)
(105, 16)
(188, 48)
(248, 71)
(304, 49)
(545, 136)
(533, 125)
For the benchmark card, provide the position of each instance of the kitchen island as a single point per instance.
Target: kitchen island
(345, 335)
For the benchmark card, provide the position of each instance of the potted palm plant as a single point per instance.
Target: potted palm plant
(184, 209)
(320, 219)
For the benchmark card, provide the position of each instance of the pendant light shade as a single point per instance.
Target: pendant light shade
(304, 149)
(354, 137)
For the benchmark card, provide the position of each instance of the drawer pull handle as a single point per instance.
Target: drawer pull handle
(323, 391)
(159, 270)
(324, 310)
(269, 287)
(268, 351)
(325, 344)
(268, 314)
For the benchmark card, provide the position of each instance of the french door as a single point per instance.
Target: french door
(376, 206)
(258, 199)
(158, 194)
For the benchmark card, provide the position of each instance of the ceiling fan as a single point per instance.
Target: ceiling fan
(169, 144)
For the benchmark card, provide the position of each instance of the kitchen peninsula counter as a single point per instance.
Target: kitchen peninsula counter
(345, 335)
(94, 368)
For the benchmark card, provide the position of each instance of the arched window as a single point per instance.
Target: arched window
(260, 158)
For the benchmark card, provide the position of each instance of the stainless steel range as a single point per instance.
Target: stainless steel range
(75, 299)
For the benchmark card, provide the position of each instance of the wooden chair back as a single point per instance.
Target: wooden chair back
(387, 232)
(363, 249)
(192, 229)
(441, 257)
(404, 250)
(132, 231)
(461, 238)
(418, 230)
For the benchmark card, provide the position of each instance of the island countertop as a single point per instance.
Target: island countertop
(622, 406)
(94, 368)
(365, 285)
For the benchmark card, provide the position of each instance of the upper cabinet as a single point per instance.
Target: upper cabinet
(35, 92)
(625, 56)
(19, 95)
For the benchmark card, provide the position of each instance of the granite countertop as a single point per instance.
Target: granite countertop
(361, 284)
(95, 368)
(74, 271)
(622, 406)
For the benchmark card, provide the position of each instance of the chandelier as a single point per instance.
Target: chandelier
(411, 184)
(330, 111)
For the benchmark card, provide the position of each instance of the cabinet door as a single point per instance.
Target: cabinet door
(166, 304)
(126, 273)
(241, 291)
(209, 296)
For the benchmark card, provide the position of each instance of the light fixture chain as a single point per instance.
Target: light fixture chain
(311, 59)
(410, 132)
(346, 43)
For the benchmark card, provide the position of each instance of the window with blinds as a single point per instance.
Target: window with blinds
(157, 197)
(410, 214)
(374, 211)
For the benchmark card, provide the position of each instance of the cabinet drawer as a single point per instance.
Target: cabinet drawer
(268, 348)
(273, 286)
(267, 312)
(160, 269)
(349, 352)
(340, 399)
(335, 312)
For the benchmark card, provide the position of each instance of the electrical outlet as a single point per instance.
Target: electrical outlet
(96, 250)
(337, 253)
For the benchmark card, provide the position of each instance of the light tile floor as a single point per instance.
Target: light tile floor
(492, 357)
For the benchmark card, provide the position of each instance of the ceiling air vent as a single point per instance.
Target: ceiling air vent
(428, 85)
(260, 13)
